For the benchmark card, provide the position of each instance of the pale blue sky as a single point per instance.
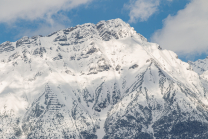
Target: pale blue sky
(171, 23)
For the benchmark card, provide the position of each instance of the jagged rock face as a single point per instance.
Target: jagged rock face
(98, 81)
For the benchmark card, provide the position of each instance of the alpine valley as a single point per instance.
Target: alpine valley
(102, 81)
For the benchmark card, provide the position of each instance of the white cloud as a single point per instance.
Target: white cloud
(186, 32)
(11, 10)
(46, 14)
(142, 9)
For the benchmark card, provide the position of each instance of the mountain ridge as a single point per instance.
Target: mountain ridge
(98, 81)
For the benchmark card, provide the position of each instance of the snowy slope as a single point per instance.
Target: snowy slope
(200, 65)
(98, 81)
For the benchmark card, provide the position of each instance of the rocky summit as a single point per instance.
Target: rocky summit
(99, 81)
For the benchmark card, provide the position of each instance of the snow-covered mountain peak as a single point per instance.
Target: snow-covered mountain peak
(115, 28)
(99, 80)
(114, 24)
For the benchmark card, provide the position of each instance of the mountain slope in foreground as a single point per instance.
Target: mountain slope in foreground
(98, 81)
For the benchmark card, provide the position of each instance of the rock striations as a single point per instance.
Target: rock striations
(102, 81)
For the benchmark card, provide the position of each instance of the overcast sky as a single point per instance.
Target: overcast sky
(177, 25)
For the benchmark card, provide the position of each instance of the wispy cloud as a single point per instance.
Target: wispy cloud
(47, 14)
(11, 10)
(141, 9)
(186, 32)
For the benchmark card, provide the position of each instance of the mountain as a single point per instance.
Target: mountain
(95, 81)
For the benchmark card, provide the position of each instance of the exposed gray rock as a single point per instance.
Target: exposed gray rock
(6, 47)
